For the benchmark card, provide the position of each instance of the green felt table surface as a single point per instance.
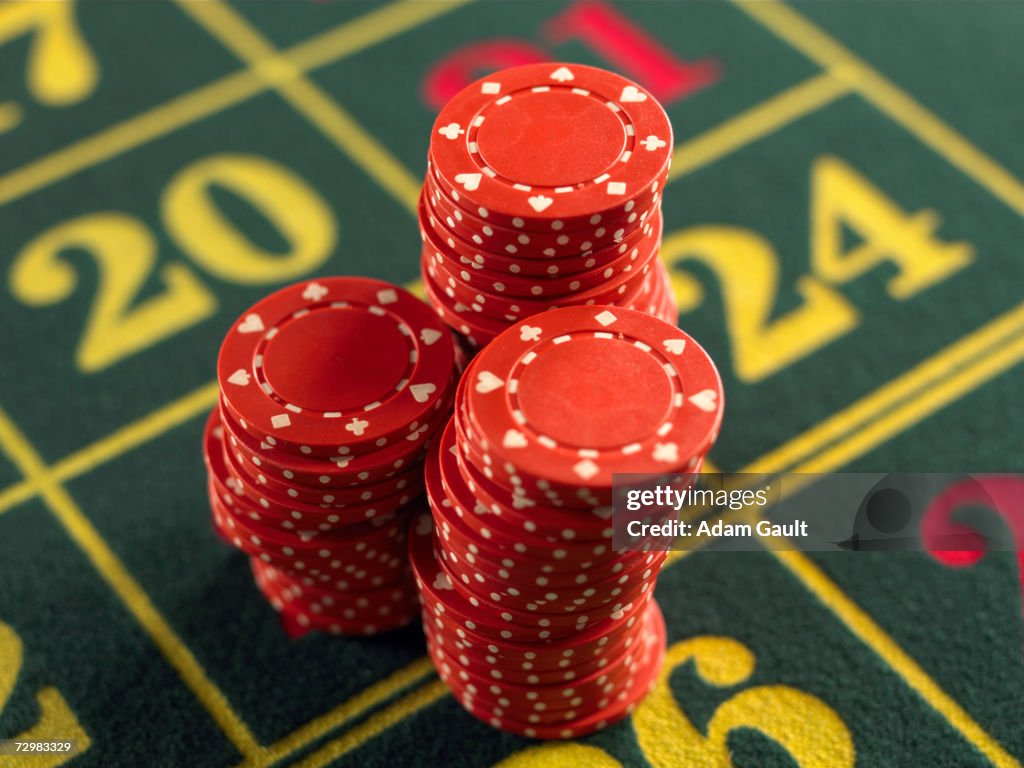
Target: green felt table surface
(843, 227)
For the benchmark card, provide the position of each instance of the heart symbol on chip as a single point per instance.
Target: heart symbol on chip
(421, 392)
(706, 400)
(469, 181)
(251, 324)
(429, 335)
(441, 581)
(603, 512)
(632, 94)
(514, 439)
(488, 382)
(675, 346)
(240, 377)
(539, 202)
(618, 614)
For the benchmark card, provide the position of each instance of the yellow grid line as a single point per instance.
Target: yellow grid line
(279, 72)
(756, 122)
(347, 711)
(792, 28)
(124, 585)
(331, 46)
(711, 151)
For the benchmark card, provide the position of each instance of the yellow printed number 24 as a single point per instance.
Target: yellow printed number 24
(747, 269)
(125, 251)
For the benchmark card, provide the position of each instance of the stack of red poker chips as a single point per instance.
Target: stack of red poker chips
(543, 190)
(331, 391)
(538, 625)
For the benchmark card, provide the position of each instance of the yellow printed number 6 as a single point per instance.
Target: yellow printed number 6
(807, 728)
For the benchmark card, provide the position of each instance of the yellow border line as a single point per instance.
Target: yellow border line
(282, 74)
(408, 705)
(125, 587)
(794, 29)
(756, 122)
(857, 621)
(928, 379)
(346, 39)
(367, 699)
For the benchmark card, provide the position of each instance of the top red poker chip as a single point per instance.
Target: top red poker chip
(552, 146)
(578, 394)
(334, 364)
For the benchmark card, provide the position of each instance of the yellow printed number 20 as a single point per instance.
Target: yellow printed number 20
(125, 252)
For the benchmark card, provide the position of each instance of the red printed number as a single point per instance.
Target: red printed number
(600, 27)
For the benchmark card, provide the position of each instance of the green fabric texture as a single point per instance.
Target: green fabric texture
(117, 598)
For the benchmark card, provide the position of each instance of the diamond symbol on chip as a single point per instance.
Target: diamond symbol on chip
(451, 131)
(606, 318)
(357, 426)
(616, 188)
(387, 296)
(667, 452)
(586, 469)
(314, 292)
(490, 87)
(281, 420)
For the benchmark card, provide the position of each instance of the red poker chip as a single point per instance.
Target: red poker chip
(476, 293)
(342, 470)
(284, 507)
(561, 605)
(346, 573)
(519, 273)
(529, 607)
(590, 357)
(300, 618)
(599, 145)
(517, 244)
(548, 277)
(334, 362)
(598, 639)
(489, 682)
(558, 668)
(476, 331)
(409, 482)
(596, 714)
